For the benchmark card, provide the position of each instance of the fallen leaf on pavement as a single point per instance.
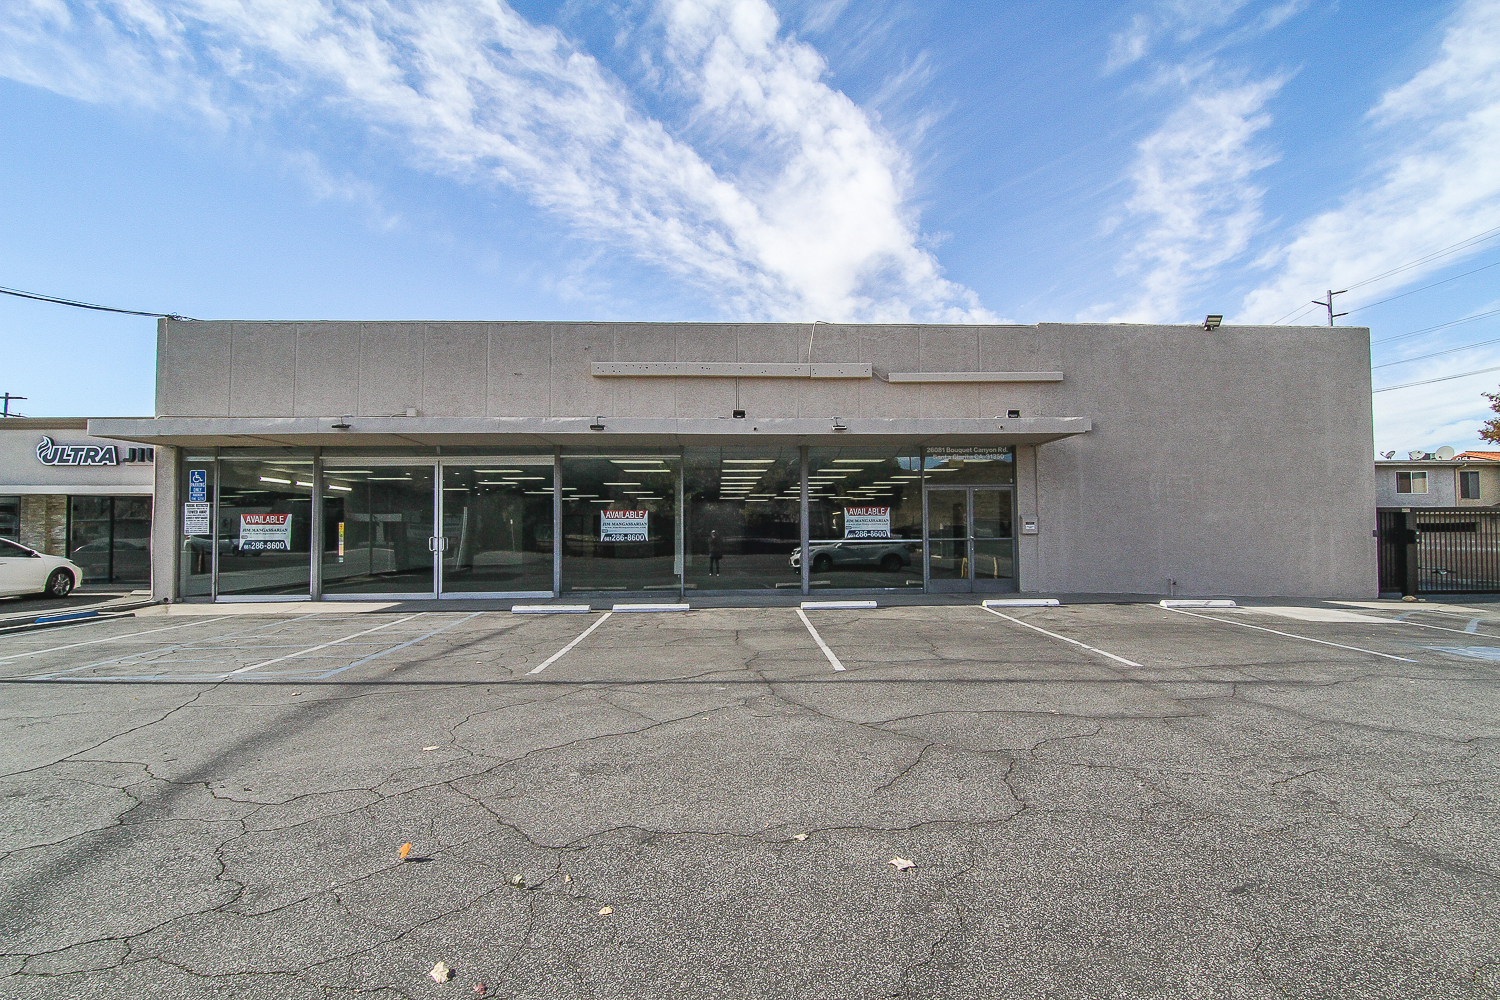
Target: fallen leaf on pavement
(518, 880)
(403, 851)
(606, 911)
(799, 836)
(441, 973)
(901, 864)
(567, 878)
(424, 749)
(481, 989)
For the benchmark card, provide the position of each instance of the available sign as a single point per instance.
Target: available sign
(265, 533)
(867, 522)
(623, 526)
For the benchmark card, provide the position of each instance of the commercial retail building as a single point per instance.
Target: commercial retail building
(329, 460)
(67, 493)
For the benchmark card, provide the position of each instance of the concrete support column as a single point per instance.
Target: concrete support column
(166, 526)
(1029, 570)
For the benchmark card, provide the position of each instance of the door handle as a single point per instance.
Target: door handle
(432, 543)
(443, 542)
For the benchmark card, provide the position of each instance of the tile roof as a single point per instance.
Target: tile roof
(1488, 456)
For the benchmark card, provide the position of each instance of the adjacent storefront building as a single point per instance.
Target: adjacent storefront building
(67, 493)
(348, 461)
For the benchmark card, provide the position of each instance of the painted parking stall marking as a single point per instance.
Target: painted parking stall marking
(1054, 635)
(564, 651)
(159, 650)
(109, 638)
(837, 666)
(325, 645)
(1289, 635)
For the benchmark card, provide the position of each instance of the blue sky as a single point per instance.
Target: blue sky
(742, 159)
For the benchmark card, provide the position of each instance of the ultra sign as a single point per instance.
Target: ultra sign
(49, 453)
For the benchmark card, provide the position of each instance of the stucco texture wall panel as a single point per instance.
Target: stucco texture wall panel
(520, 364)
(576, 393)
(455, 370)
(193, 366)
(327, 369)
(390, 368)
(263, 357)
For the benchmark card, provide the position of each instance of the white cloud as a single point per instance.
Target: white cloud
(1193, 208)
(808, 220)
(1168, 21)
(1440, 186)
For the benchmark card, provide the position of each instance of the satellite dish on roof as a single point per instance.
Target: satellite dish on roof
(1446, 453)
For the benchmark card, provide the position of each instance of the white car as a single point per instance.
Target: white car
(25, 571)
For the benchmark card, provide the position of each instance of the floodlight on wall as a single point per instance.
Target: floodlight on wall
(1212, 321)
(1012, 414)
(597, 425)
(739, 414)
(342, 423)
(839, 425)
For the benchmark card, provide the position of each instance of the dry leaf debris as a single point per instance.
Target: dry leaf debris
(606, 911)
(403, 851)
(441, 973)
(901, 864)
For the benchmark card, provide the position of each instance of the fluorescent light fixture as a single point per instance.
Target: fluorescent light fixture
(301, 483)
(341, 471)
(455, 489)
(748, 461)
(529, 479)
(757, 501)
(390, 479)
(943, 470)
(496, 482)
(621, 484)
(493, 472)
(539, 493)
(273, 479)
(342, 489)
(859, 461)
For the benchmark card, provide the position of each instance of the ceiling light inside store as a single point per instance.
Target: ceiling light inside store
(390, 479)
(496, 472)
(496, 482)
(748, 461)
(528, 479)
(272, 479)
(342, 489)
(620, 484)
(858, 461)
(455, 489)
(539, 493)
(341, 471)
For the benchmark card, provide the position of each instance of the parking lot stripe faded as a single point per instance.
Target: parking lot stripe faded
(109, 638)
(50, 674)
(1289, 635)
(1054, 635)
(819, 640)
(392, 649)
(322, 645)
(561, 652)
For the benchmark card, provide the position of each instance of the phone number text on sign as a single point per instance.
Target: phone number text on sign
(623, 526)
(265, 533)
(867, 522)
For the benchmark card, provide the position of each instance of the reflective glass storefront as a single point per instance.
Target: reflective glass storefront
(394, 524)
(110, 538)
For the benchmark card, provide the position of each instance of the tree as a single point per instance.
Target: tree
(1491, 429)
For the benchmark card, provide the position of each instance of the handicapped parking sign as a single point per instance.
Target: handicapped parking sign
(197, 486)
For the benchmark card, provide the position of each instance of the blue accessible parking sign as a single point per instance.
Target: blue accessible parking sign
(197, 486)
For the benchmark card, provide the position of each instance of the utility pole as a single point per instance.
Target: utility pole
(6, 400)
(1329, 306)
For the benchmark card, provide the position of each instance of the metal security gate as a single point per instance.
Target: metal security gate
(1447, 550)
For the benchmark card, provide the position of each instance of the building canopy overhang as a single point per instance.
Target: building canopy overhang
(384, 432)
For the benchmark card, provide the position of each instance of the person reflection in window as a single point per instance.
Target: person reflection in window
(715, 553)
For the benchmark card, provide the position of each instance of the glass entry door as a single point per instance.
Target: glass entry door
(496, 537)
(970, 540)
(378, 537)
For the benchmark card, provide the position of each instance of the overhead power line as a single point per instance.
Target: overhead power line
(1393, 298)
(1440, 326)
(1429, 381)
(87, 305)
(1435, 354)
(1472, 241)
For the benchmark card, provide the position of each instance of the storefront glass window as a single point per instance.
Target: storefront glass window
(620, 516)
(743, 518)
(497, 527)
(109, 538)
(864, 518)
(10, 517)
(378, 533)
(264, 524)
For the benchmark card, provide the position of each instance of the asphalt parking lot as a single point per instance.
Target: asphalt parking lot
(1098, 800)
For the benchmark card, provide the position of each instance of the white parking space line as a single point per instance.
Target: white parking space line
(48, 675)
(323, 645)
(1054, 635)
(109, 638)
(1289, 635)
(1472, 628)
(562, 652)
(819, 640)
(392, 649)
